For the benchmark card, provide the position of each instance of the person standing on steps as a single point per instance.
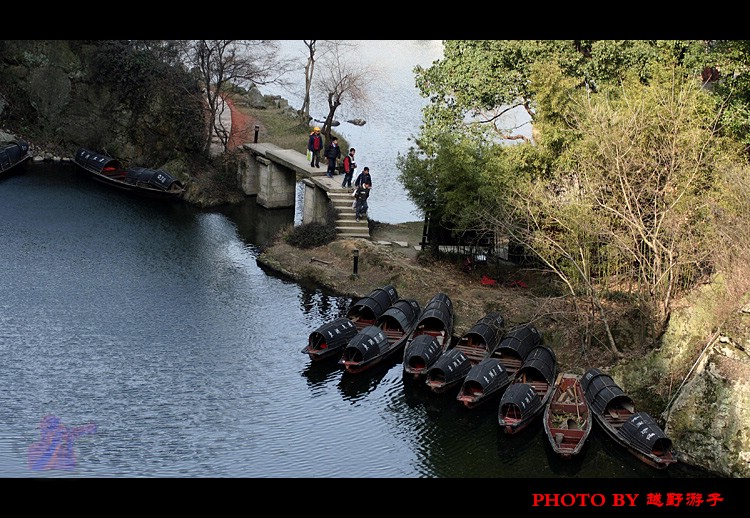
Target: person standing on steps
(333, 153)
(361, 195)
(315, 144)
(364, 177)
(349, 166)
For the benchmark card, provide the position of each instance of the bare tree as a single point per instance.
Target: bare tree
(342, 81)
(309, 72)
(222, 63)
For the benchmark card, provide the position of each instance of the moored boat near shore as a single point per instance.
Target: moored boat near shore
(375, 343)
(484, 382)
(366, 311)
(436, 321)
(143, 181)
(515, 346)
(524, 400)
(329, 340)
(14, 152)
(454, 364)
(567, 420)
(615, 413)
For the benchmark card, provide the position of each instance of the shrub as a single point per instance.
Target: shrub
(310, 235)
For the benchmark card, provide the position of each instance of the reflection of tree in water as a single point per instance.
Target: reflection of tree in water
(55, 449)
(324, 305)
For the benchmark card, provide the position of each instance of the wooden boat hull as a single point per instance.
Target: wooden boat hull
(567, 420)
(328, 341)
(436, 320)
(13, 154)
(524, 400)
(375, 344)
(142, 181)
(614, 412)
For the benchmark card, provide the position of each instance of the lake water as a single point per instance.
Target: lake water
(162, 348)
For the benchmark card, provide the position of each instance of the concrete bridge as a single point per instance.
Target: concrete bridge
(272, 173)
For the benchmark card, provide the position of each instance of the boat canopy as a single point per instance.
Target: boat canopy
(641, 431)
(437, 314)
(366, 345)
(12, 152)
(332, 335)
(374, 304)
(487, 331)
(488, 374)
(96, 162)
(423, 350)
(157, 178)
(451, 366)
(601, 391)
(518, 342)
(521, 396)
(401, 315)
(542, 360)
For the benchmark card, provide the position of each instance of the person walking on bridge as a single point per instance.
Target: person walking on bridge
(315, 144)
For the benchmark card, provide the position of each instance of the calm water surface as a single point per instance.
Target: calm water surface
(150, 330)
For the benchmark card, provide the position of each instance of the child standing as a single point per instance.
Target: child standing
(349, 166)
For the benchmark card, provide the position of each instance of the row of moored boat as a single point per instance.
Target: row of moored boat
(488, 362)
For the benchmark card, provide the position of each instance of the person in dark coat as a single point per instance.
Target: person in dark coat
(363, 177)
(315, 144)
(333, 153)
(361, 195)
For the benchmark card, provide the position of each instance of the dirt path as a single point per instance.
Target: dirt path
(243, 126)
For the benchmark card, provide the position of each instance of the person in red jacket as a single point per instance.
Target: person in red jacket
(315, 144)
(349, 166)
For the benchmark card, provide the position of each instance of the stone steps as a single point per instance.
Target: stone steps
(346, 223)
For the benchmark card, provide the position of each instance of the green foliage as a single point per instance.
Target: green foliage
(618, 193)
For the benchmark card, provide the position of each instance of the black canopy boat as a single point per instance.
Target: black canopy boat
(526, 397)
(366, 311)
(436, 321)
(454, 364)
(375, 343)
(330, 339)
(13, 153)
(485, 380)
(615, 413)
(152, 183)
(515, 346)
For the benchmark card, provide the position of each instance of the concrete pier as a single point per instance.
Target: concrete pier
(272, 173)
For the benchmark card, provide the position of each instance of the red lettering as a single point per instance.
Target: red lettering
(567, 499)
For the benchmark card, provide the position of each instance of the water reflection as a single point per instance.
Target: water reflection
(322, 372)
(355, 386)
